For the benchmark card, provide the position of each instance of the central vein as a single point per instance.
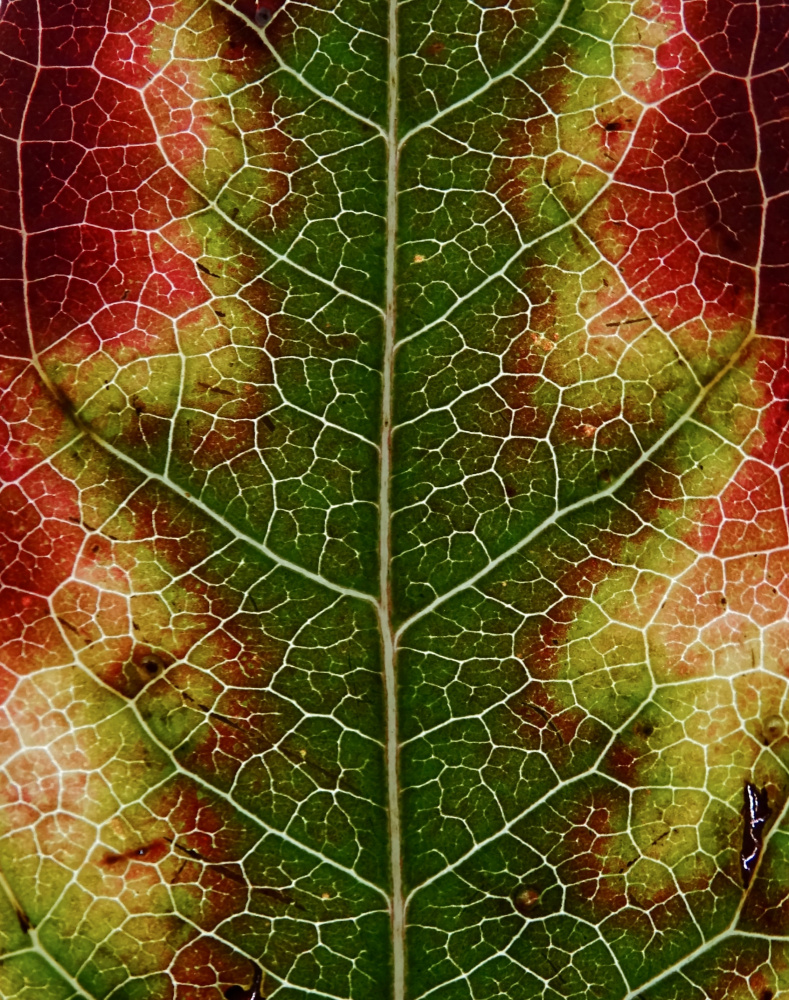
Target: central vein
(384, 525)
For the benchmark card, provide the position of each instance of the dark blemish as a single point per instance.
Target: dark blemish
(185, 850)
(177, 875)
(628, 322)
(222, 718)
(262, 17)
(550, 724)
(756, 812)
(23, 920)
(614, 127)
(220, 313)
(627, 868)
(136, 853)
(724, 602)
(71, 628)
(661, 837)
(254, 992)
(150, 665)
(767, 995)
(205, 270)
(645, 728)
(773, 728)
(214, 388)
(269, 422)
(278, 894)
(231, 874)
(525, 900)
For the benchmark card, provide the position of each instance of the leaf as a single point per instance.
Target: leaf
(394, 550)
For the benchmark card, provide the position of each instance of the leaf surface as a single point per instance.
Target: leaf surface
(393, 538)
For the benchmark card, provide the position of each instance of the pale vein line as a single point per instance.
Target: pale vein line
(189, 498)
(729, 932)
(169, 484)
(560, 786)
(385, 526)
(501, 272)
(21, 174)
(179, 769)
(584, 501)
(492, 81)
(211, 204)
(297, 75)
(39, 949)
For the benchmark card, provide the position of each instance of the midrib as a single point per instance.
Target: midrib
(384, 526)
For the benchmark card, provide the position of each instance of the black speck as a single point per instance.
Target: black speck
(151, 665)
(254, 992)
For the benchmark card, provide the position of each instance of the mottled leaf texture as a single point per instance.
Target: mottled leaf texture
(393, 541)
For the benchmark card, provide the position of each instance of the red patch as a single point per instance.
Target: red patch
(147, 853)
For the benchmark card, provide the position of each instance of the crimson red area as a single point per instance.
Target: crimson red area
(707, 175)
(78, 150)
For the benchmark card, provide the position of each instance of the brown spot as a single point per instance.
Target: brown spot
(525, 899)
(418, 258)
(150, 665)
(149, 853)
(773, 729)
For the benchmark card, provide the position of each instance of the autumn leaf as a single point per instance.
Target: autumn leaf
(393, 536)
